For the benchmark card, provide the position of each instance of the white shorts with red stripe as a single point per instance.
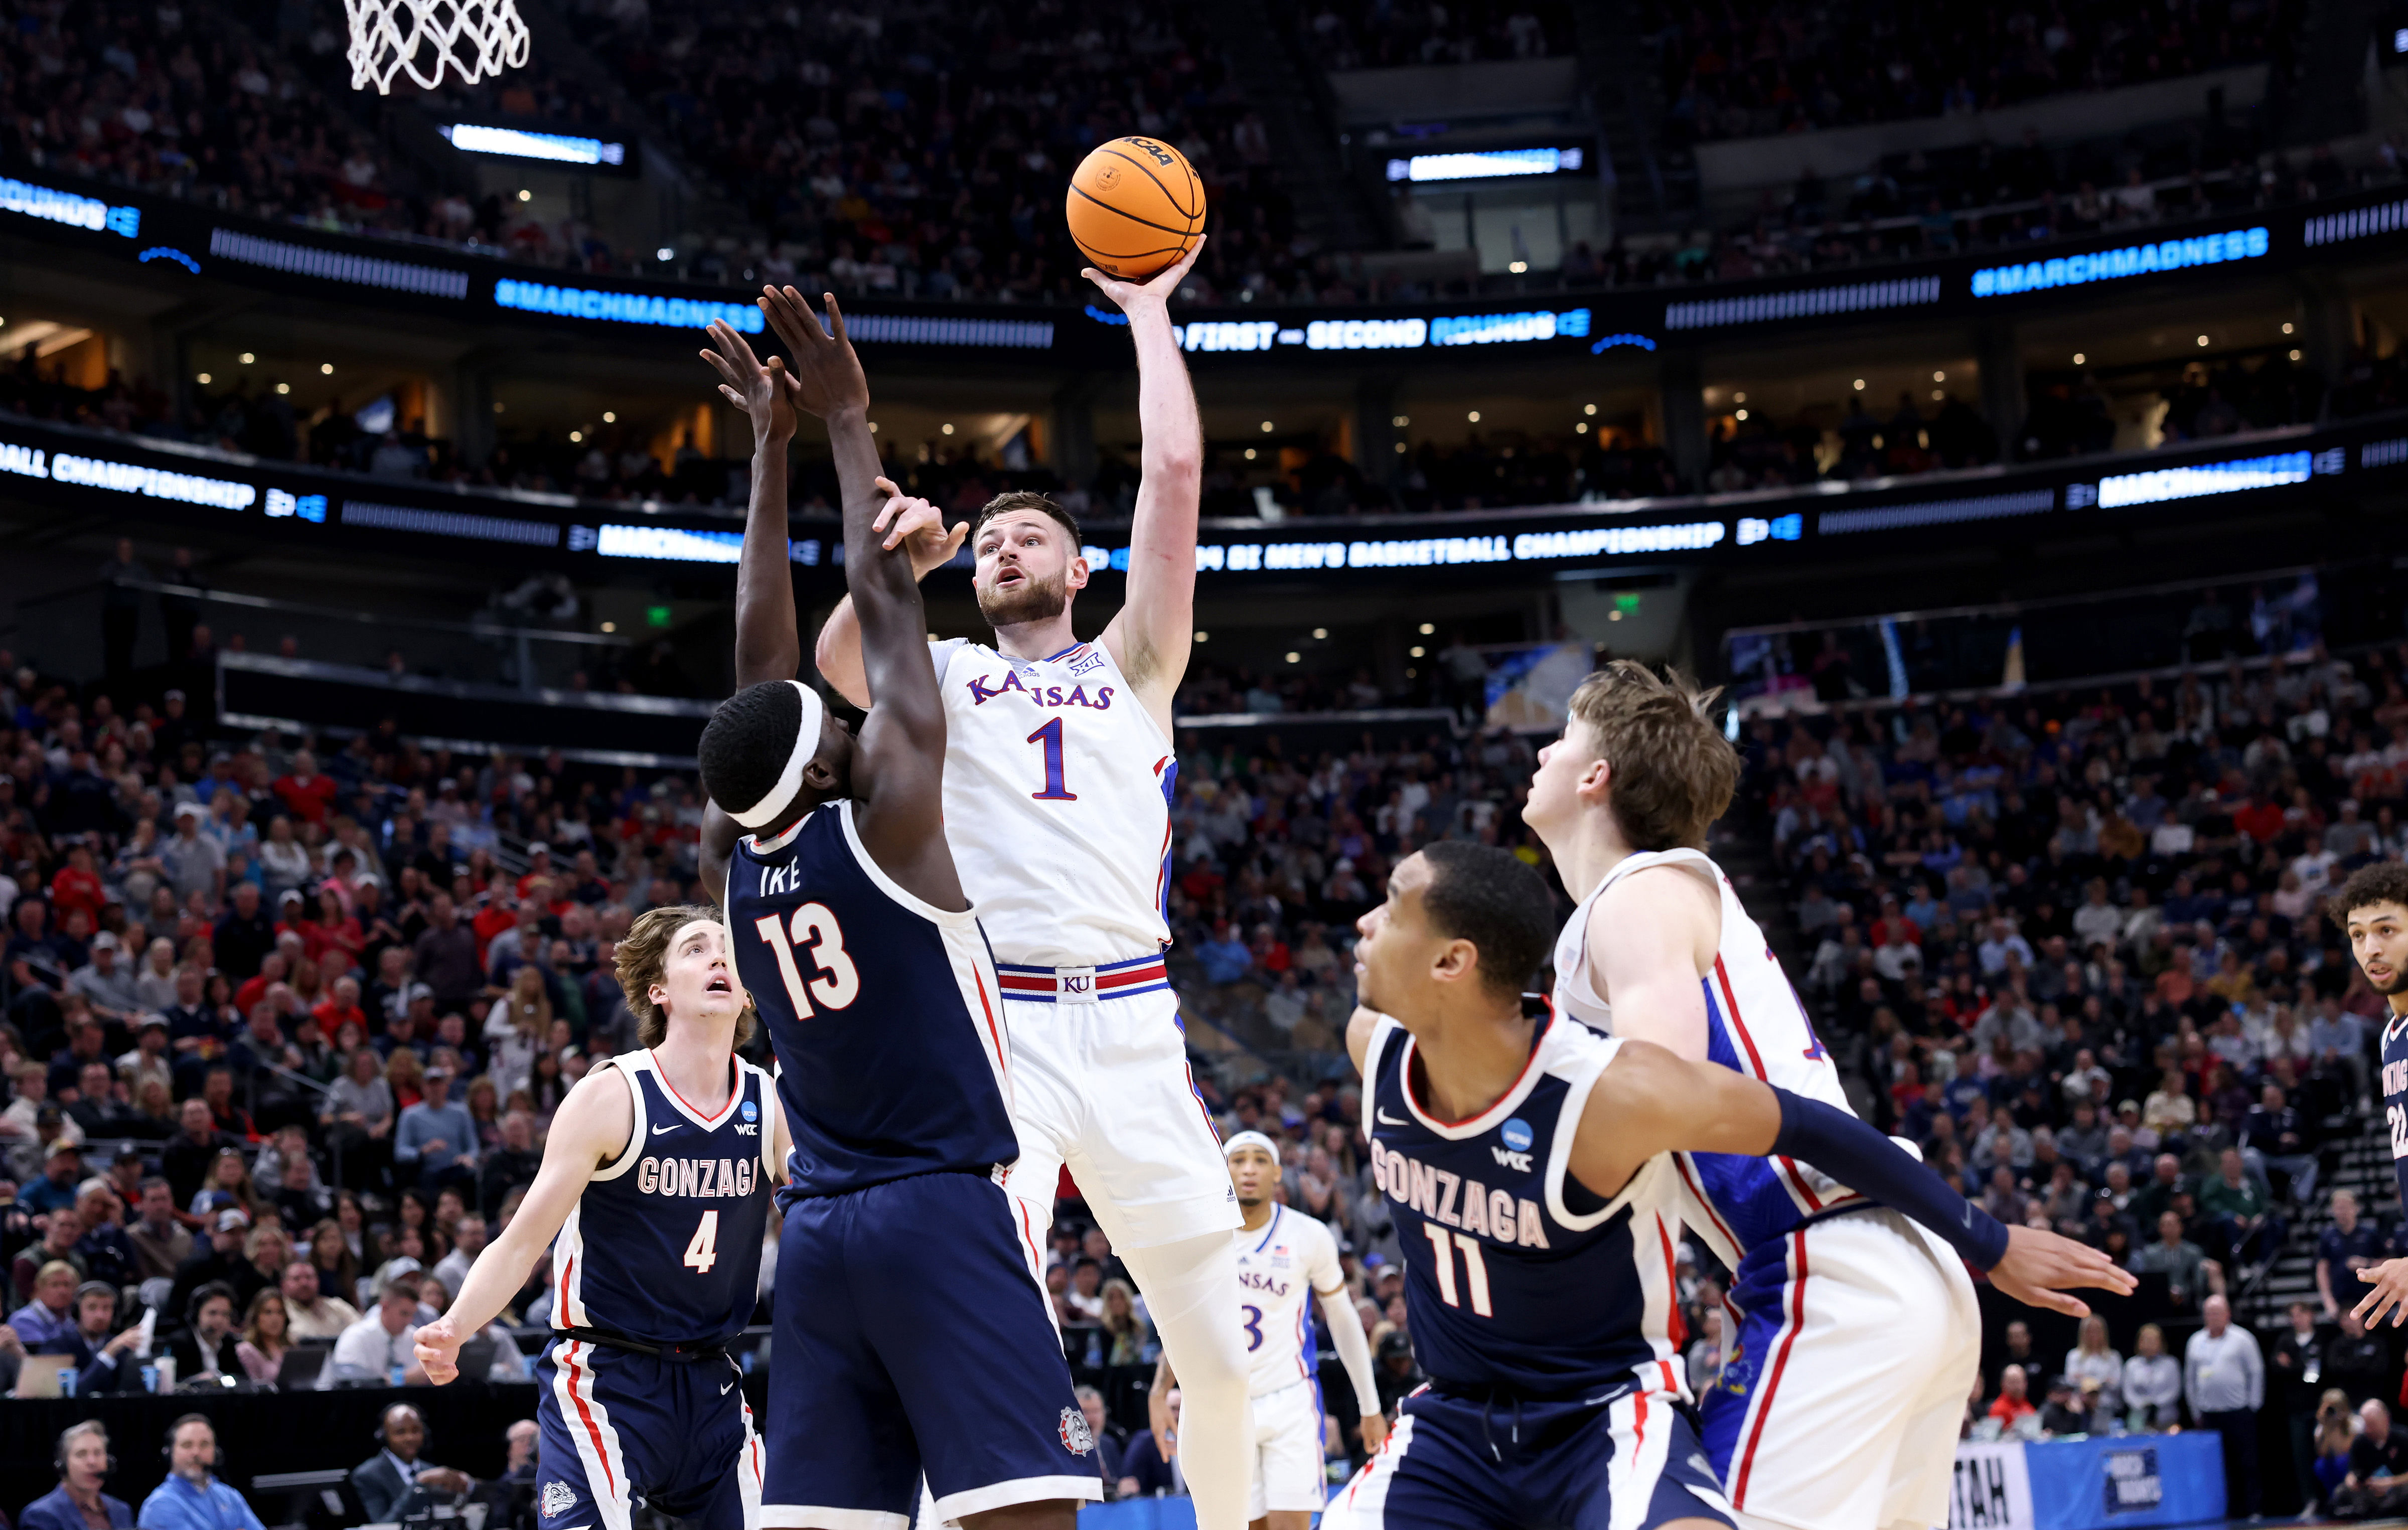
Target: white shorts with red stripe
(1627, 1459)
(1841, 1401)
(1100, 1085)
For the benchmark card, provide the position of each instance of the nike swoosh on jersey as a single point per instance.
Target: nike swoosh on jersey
(670, 1127)
(723, 1391)
(1386, 1120)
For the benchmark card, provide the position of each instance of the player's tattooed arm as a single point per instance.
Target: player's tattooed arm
(1151, 637)
(1157, 1408)
(1648, 1102)
(590, 1129)
(767, 647)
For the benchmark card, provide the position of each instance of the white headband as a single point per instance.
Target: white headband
(1251, 1139)
(790, 780)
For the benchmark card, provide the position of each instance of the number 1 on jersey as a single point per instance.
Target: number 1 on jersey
(703, 1252)
(1051, 735)
(1475, 1268)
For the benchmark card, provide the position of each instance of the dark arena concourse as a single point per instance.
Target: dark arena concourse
(2000, 418)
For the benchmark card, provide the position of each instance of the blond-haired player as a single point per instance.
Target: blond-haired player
(1857, 1335)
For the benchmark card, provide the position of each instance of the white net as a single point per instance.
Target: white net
(473, 38)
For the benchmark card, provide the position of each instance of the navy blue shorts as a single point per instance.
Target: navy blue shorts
(617, 1429)
(1627, 1459)
(909, 1337)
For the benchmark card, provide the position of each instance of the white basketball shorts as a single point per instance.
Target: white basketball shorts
(1290, 1471)
(1840, 1405)
(1102, 1086)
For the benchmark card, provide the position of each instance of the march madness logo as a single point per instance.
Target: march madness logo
(1076, 1438)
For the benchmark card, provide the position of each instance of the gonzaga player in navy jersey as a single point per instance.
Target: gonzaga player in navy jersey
(1843, 1390)
(1526, 1163)
(911, 1336)
(654, 1195)
(2373, 909)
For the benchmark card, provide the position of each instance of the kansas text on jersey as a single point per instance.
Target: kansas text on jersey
(1057, 783)
(1514, 1286)
(664, 1244)
(884, 1011)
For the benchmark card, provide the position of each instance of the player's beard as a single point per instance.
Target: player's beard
(2393, 989)
(1036, 600)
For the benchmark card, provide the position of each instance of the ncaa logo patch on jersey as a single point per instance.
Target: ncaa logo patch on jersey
(559, 1497)
(1516, 1134)
(1076, 1438)
(750, 1111)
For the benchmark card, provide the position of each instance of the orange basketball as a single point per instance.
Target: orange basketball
(1134, 206)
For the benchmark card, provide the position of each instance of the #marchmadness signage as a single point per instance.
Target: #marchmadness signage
(185, 240)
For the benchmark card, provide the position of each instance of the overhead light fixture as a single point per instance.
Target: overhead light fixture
(1250, 452)
(1475, 417)
(1267, 427)
(1402, 420)
(1320, 634)
(2287, 329)
(525, 195)
(1738, 398)
(247, 358)
(1739, 414)
(610, 626)
(1428, 628)
(1939, 377)
(1588, 408)
(203, 379)
(1203, 636)
(1579, 427)
(664, 253)
(1517, 267)
(325, 369)
(577, 436)
(1295, 657)
(2079, 358)
(284, 387)
(1860, 385)
(1417, 650)
(2202, 339)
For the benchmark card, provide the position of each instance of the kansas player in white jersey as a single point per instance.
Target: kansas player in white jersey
(910, 1337)
(653, 1195)
(1858, 1334)
(1058, 773)
(2373, 910)
(1527, 1162)
(1284, 1257)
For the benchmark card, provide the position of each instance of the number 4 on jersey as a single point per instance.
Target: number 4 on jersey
(703, 1252)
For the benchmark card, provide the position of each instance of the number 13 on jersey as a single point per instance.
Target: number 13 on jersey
(836, 982)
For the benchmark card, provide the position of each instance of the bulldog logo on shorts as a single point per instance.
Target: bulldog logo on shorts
(559, 1497)
(1076, 1438)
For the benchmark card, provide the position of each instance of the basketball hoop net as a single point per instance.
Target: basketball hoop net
(473, 38)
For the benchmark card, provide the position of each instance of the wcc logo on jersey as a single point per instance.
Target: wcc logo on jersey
(750, 1124)
(1516, 1153)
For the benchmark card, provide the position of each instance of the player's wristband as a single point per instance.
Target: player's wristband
(1870, 1163)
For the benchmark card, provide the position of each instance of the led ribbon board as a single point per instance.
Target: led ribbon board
(521, 144)
(1484, 164)
(2131, 260)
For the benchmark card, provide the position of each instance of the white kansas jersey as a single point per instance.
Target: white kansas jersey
(1280, 1268)
(1755, 1026)
(1057, 804)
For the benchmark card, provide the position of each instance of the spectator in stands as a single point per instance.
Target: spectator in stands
(161, 1244)
(385, 1480)
(222, 1262)
(62, 1171)
(2358, 1361)
(82, 1460)
(185, 1160)
(1109, 1441)
(46, 1323)
(510, 1166)
(378, 1347)
(2237, 1208)
(2343, 1250)
(2190, 1274)
(436, 1142)
(267, 1335)
(2295, 1368)
(311, 1311)
(446, 956)
(2092, 1359)
(1144, 1471)
(2224, 1381)
(210, 1345)
(2152, 1381)
(469, 1240)
(2013, 1411)
(2336, 1426)
(2377, 1484)
(104, 1358)
(192, 1497)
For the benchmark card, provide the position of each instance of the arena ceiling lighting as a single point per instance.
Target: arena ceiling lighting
(520, 143)
(1485, 164)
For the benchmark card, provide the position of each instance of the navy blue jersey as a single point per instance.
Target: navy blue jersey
(884, 1012)
(664, 1245)
(2395, 1095)
(1510, 1287)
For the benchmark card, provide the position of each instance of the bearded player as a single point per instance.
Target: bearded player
(2373, 909)
(1058, 773)
(1858, 1334)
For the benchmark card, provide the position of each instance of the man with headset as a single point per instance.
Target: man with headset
(386, 1480)
(192, 1497)
(82, 1460)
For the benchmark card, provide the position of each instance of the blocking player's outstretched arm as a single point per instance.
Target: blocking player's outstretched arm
(900, 758)
(589, 1130)
(1648, 1101)
(768, 645)
(1151, 637)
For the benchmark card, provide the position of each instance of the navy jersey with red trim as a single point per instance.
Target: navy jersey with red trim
(1511, 1289)
(664, 1244)
(2395, 1095)
(884, 1012)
